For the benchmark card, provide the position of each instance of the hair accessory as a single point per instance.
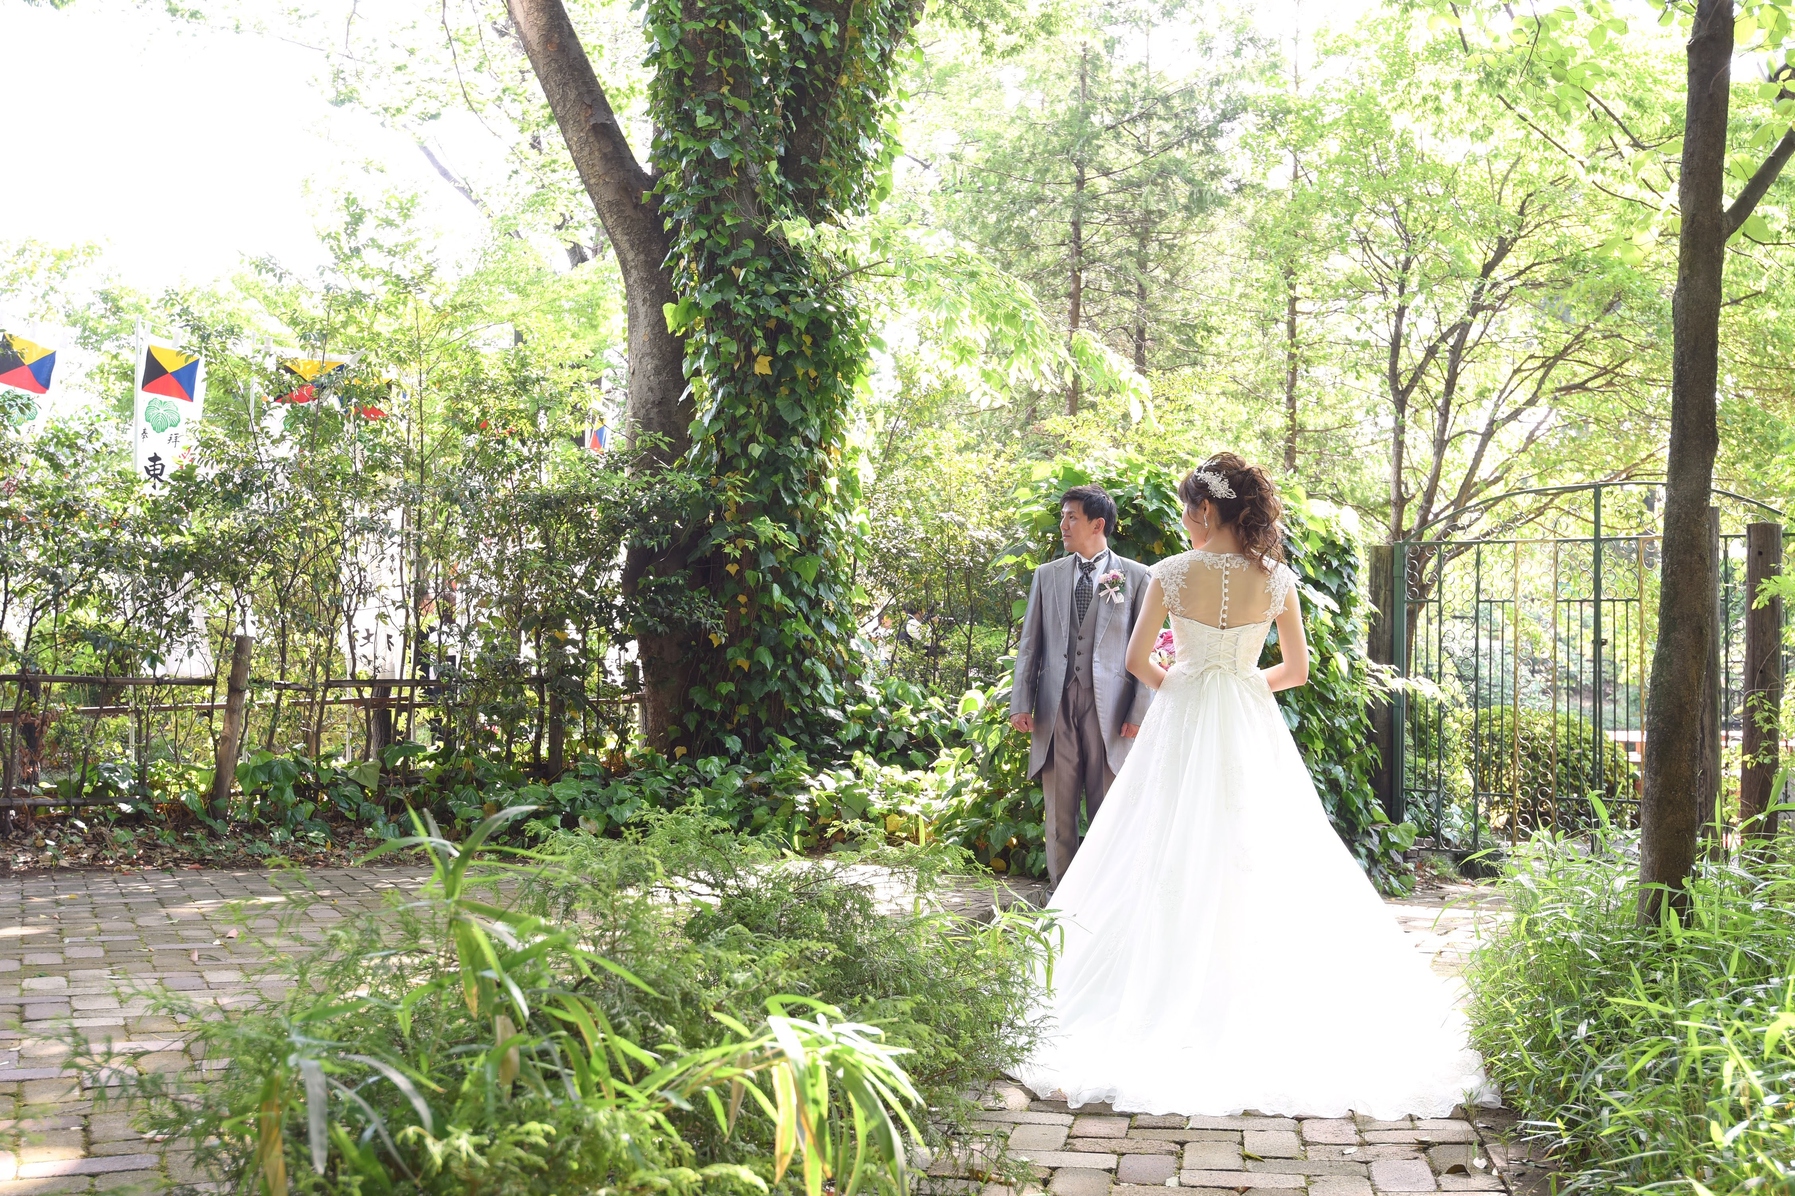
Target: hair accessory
(1215, 483)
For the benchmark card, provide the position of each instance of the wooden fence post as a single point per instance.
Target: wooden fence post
(1381, 646)
(230, 736)
(1762, 715)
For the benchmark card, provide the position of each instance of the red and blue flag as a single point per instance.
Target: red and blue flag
(25, 365)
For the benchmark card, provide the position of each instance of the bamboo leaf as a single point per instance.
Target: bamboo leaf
(406, 1088)
(785, 1131)
(317, 1096)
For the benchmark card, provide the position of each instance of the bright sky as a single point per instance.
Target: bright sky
(183, 149)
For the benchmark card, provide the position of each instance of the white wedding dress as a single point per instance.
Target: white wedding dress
(1222, 949)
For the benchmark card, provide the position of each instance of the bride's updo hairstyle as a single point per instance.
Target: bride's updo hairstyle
(1253, 510)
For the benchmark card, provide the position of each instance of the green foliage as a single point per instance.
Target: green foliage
(924, 773)
(767, 113)
(560, 1024)
(1085, 163)
(1646, 1058)
(955, 994)
(1330, 717)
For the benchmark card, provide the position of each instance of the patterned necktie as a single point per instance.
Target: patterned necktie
(1081, 593)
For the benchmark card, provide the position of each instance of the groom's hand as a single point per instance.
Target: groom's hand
(1130, 730)
(1023, 722)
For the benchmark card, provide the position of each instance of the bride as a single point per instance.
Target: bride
(1223, 951)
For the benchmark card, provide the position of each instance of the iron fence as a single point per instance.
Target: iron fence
(1528, 653)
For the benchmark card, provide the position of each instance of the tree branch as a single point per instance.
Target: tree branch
(616, 182)
(1742, 207)
(454, 180)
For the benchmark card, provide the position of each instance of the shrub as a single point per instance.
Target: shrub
(581, 1023)
(934, 771)
(1565, 744)
(954, 994)
(1646, 1058)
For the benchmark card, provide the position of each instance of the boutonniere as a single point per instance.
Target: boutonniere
(1113, 586)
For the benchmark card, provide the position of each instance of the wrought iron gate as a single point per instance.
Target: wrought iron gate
(1527, 651)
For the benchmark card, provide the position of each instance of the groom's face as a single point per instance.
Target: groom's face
(1080, 534)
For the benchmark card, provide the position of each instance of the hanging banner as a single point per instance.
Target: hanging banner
(595, 440)
(170, 395)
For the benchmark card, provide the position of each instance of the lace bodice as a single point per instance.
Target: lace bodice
(1224, 587)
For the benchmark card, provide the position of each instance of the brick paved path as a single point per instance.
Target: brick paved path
(94, 947)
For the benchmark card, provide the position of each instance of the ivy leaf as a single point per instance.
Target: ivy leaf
(763, 364)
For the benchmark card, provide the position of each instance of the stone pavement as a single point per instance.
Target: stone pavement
(1093, 1151)
(95, 949)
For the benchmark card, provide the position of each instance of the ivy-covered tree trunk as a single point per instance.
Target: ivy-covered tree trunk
(744, 347)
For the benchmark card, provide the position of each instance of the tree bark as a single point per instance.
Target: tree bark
(1290, 370)
(230, 736)
(1669, 822)
(1140, 296)
(1709, 732)
(1075, 297)
(1763, 682)
(620, 190)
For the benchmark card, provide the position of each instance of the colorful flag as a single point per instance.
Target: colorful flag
(24, 365)
(595, 440)
(313, 372)
(170, 396)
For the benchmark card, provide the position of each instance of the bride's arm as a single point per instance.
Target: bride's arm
(1147, 625)
(1293, 670)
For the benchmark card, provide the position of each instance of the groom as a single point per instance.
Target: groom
(1073, 693)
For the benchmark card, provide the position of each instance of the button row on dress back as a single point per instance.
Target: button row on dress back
(1225, 571)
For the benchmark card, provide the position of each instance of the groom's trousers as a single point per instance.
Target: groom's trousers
(1077, 766)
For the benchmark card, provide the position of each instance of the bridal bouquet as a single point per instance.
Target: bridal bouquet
(1165, 652)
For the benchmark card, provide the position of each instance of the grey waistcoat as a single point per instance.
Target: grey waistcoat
(1081, 636)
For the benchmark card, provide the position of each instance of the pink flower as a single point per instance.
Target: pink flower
(1166, 641)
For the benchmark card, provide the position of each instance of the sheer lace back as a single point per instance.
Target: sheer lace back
(1222, 607)
(1223, 590)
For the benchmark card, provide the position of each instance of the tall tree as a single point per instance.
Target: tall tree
(1686, 606)
(743, 346)
(1451, 264)
(1090, 175)
(1560, 72)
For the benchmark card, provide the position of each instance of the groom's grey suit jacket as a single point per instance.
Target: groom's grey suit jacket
(1042, 658)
